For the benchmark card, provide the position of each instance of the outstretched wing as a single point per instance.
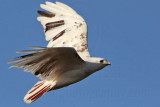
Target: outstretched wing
(48, 62)
(63, 27)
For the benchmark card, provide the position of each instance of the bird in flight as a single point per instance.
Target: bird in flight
(66, 59)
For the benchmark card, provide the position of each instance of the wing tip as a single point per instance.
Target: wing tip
(42, 5)
(48, 2)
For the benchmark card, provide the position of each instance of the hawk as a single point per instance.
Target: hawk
(66, 59)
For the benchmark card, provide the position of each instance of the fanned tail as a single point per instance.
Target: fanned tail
(38, 90)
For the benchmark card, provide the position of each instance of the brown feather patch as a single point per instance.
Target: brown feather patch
(39, 93)
(59, 35)
(46, 14)
(36, 87)
(53, 25)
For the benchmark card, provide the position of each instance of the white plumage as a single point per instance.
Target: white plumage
(74, 25)
(66, 59)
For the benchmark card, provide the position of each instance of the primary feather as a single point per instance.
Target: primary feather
(48, 62)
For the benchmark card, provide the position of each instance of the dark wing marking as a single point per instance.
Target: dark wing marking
(54, 24)
(58, 35)
(50, 62)
(46, 14)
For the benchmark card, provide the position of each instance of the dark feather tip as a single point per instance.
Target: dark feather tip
(46, 14)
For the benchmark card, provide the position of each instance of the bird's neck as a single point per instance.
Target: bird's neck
(93, 67)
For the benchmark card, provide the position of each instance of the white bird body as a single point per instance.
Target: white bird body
(66, 60)
(78, 73)
(71, 77)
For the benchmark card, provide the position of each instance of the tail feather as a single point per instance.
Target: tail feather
(38, 90)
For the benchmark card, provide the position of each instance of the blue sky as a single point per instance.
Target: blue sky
(126, 32)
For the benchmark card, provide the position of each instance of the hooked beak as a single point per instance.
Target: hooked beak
(107, 63)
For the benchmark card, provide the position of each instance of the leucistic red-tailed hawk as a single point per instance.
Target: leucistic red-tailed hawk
(66, 59)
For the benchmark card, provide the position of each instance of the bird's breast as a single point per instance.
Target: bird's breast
(70, 77)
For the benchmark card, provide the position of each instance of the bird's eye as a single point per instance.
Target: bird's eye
(101, 61)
